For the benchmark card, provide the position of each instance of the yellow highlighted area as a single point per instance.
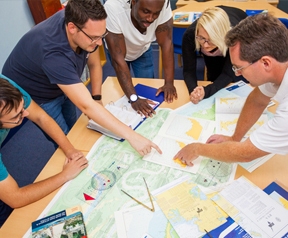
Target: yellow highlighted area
(284, 202)
(226, 100)
(195, 130)
(224, 125)
(178, 161)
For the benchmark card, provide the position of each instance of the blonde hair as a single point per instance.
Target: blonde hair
(216, 23)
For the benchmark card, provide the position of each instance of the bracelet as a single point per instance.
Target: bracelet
(97, 97)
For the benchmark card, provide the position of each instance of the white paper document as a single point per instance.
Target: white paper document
(188, 209)
(253, 209)
(176, 132)
(123, 111)
(139, 222)
(227, 112)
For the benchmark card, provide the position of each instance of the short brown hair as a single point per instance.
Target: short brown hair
(80, 11)
(259, 35)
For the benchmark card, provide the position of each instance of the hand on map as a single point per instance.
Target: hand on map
(73, 167)
(74, 154)
(142, 145)
(187, 154)
(142, 107)
(169, 92)
(215, 139)
(197, 95)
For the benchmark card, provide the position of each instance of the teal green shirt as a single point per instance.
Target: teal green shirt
(4, 132)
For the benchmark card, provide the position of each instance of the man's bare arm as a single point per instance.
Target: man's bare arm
(229, 152)
(254, 106)
(17, 197)
(117, 50)
(164, 39)
(96, 73)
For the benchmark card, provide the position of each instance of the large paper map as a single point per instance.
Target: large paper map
(176, 132)
(104, 159)
(188, 209)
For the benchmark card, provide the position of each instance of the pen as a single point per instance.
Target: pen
(208, 233)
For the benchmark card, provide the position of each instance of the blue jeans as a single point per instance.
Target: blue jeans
(63, 111)
(5, 212)
(142, 66)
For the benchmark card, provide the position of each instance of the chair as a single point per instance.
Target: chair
(284, 21)
(177, 43)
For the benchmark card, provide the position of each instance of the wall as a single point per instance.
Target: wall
(15, 21)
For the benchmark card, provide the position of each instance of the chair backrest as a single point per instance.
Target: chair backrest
(177, 39)
(284, 21)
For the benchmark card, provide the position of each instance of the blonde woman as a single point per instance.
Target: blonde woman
(206, 35)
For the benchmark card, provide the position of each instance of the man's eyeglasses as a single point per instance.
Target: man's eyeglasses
(92, 40)
(235, 69)
(20, 114)
(203, 40)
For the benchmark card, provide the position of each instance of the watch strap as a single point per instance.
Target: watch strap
(97, 97)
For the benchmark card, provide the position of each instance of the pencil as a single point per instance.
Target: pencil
(208, 233)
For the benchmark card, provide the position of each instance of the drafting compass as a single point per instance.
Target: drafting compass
(151, 209)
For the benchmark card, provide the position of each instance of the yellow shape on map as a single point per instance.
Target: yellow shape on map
(224, 125)
(195, 130)
(225, 100)
(284, 202)
(260, 123)
(178, 161)
(184, 202)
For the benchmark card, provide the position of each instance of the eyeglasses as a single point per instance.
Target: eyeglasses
(20, 114)
(93, 40)
(203, 40)
(235, 69)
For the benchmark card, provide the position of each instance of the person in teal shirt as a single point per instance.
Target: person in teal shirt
(15, 104)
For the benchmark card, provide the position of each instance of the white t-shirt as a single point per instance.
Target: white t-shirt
(272, 137)
(119, 22)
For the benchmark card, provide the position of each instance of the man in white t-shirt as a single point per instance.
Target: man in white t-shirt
(263, 61)
(132, 26)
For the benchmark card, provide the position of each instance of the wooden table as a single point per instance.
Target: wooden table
(181, 3)
(83, 139)
(194, 6)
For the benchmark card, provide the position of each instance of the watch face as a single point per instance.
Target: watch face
(133, 98)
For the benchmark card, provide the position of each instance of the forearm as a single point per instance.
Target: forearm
(104, 118)
(250, 113)
(96, 81)
(168, 63)
(96, 73)
(229, 152)
(34, 192)
(124, 77)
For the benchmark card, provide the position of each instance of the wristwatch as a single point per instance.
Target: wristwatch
(133, 98)
(97, 97)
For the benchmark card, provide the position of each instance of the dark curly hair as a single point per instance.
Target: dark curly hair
(129, 1)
